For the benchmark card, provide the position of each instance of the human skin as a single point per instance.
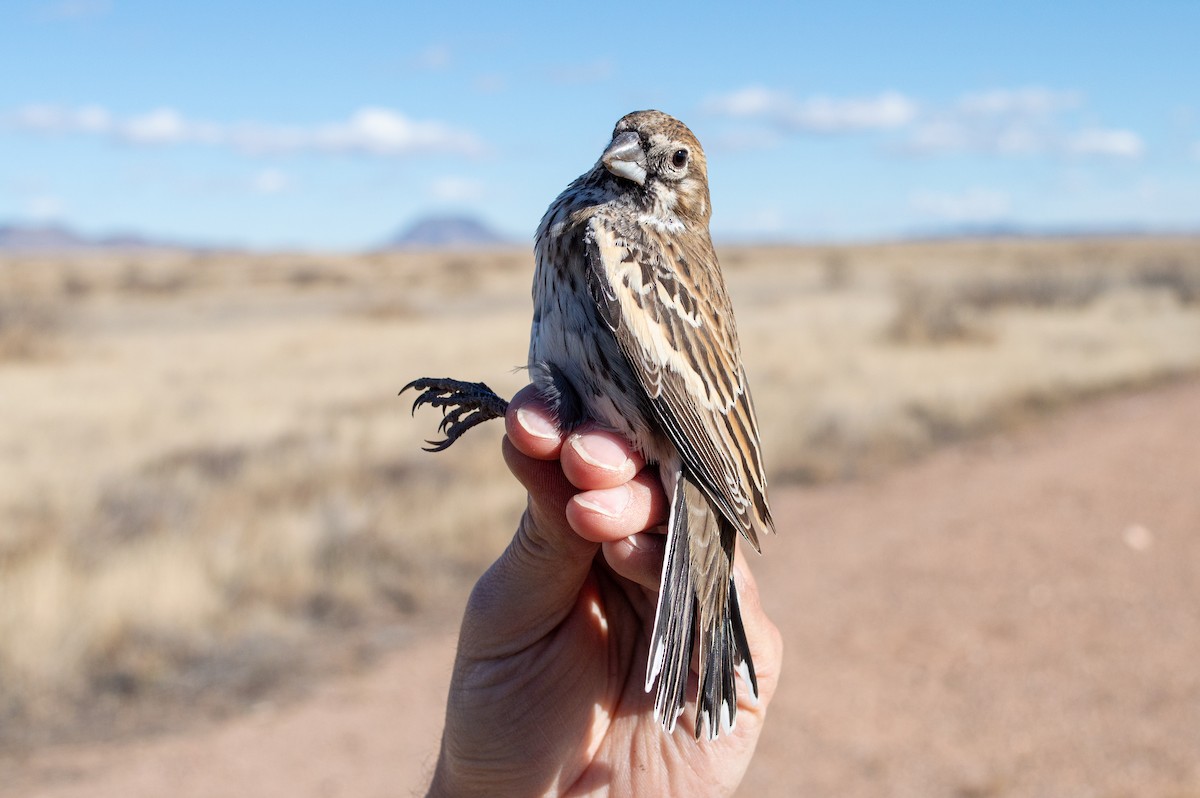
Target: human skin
(548, 691)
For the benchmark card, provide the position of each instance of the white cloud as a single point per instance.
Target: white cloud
(1026, 121)
(1030, 120)
(456, 189)
(434, 57)
(43, 208)
(53, 119)
(269, 181)
(490, 83)
(71, 10)
(1096, 141)
(166, 126)
(1028, 101)
(817, 114)
(952, 135)
(750, 101)
(576, 74)
(974, 205)
(93, 119)
(994, 122)
(368, 131)
(826, 115)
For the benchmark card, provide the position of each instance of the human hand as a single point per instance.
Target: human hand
(548, 693)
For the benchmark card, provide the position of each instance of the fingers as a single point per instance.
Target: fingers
(531, 426)
(609, 514)
(618, 497)
(536, 581)
(591, 458)
(638, 558)
(586, 488)
(549, 490)
(596, 458)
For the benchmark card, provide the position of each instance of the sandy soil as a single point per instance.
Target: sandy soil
(1016, 616)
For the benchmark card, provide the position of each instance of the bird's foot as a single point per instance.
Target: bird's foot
(463, 404)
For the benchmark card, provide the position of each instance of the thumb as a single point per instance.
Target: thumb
(535, 583)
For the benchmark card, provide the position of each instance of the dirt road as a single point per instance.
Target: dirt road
(1016, 616)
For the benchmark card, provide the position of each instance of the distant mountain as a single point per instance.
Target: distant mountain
(58, 238)
(446, 231)
(39, 237)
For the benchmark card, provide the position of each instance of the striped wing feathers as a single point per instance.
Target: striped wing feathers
(668, 308)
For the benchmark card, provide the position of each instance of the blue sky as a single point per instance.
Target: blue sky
(331, 125)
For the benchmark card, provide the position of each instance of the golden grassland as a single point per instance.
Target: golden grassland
(206, 475)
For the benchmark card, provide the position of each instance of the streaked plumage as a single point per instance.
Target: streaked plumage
(633, 328)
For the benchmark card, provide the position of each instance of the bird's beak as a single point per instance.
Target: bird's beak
(625, 158)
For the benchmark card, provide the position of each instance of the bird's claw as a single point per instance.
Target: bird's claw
(463, 404)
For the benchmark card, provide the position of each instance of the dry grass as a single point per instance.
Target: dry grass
(213, 471)
(27, 329)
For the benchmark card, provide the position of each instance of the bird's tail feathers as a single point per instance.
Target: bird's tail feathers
(698, 600)
(671, 645)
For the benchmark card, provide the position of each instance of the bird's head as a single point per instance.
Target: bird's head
(660, 155)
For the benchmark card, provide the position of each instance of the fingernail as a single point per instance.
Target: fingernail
(610, 502)
(537, 424)
(601, 452)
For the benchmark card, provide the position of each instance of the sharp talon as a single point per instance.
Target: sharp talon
(463, 405)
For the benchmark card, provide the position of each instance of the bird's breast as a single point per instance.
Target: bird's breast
(569, 335)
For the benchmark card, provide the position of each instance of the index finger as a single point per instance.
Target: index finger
(531, 426)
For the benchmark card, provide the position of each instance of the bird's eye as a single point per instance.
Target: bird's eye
(679, 159)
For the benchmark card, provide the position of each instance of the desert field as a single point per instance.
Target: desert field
(210, 493)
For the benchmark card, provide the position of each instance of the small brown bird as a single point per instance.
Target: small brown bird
(633, 329)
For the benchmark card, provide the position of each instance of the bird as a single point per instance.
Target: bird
(633, 330)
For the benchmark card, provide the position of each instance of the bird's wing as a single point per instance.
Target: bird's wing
(667, 306)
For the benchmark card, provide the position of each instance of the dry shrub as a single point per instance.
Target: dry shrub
(837, 271)
(311, 275)
(74, 285)
(386, 308)
(1175, 274)
(156, 279)
(200, 576)
(1047, 289)
(926, 315)
(28, 328)
(936, 313)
